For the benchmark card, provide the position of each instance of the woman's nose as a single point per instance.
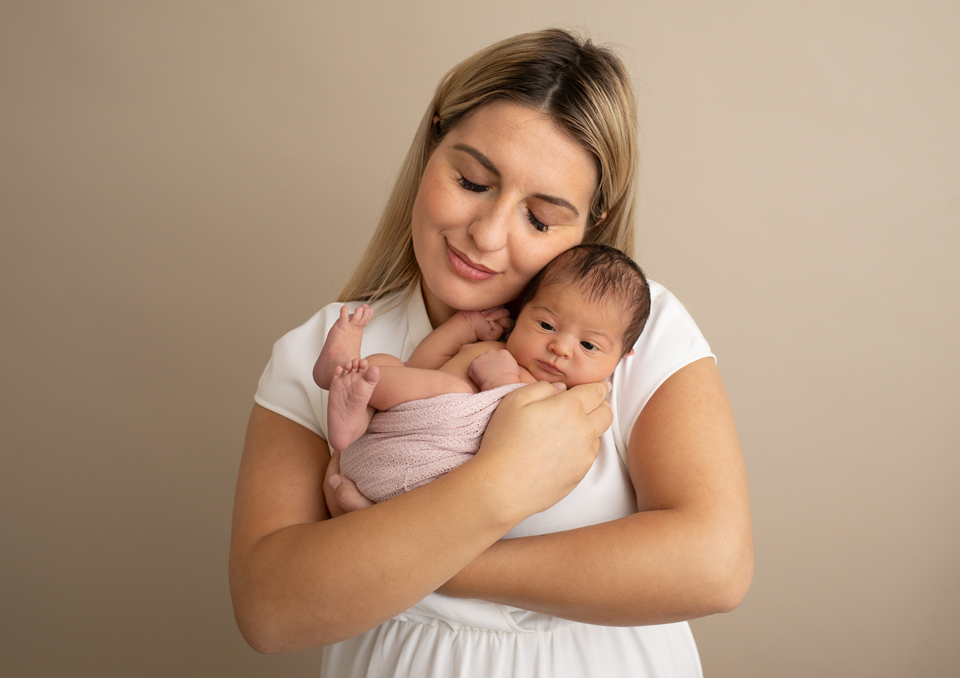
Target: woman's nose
(489, 229)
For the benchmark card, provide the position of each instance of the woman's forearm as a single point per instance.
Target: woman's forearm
(649, 568)
(317, 583)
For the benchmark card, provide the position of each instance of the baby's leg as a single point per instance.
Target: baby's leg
(342, 343)
(400, 384)
(348, 413)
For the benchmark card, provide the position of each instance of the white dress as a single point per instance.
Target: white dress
(445, 637)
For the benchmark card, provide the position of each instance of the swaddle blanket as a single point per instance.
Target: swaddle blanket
(418, 441)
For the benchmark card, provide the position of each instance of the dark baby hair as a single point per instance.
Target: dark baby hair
(600, 271)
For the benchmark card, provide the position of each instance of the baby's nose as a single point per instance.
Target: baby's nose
(561, 346)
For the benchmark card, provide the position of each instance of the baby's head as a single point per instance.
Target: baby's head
(580, 315)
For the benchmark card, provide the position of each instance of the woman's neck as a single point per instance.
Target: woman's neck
(437, 311)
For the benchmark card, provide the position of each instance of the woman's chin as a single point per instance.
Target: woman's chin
(463, 295)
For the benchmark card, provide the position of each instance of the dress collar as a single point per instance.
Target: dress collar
(418, 322)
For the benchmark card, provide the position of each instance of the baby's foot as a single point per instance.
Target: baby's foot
(342, 344)
(347, 411)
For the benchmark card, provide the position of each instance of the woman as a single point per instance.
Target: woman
(528, 148)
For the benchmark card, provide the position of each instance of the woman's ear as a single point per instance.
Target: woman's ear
(600, 220)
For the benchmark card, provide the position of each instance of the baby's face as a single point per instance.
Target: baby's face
(561, 335)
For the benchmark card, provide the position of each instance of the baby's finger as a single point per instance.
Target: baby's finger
(496, 313)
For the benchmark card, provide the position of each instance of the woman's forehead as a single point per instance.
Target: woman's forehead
(516, 139)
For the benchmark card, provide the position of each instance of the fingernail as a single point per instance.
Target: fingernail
(560, 385)
(335, 481)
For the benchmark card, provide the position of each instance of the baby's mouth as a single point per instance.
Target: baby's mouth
(547, 367)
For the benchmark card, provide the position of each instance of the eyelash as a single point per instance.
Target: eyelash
(470, 186)
(537, 224)
(477, 188)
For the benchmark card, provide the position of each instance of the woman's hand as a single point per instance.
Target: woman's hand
(341, 494)
(541, 442)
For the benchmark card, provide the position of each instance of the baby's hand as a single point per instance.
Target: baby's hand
(490, 324)
(493, 369)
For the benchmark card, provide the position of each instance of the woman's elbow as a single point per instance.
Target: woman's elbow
(732, 574)
(257, 630)
(271, 627)
(262, 621)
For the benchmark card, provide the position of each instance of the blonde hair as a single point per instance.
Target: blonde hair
(583, 88)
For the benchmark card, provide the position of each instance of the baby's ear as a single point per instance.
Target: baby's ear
(628, 353)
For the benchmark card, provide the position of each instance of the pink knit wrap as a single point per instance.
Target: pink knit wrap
(415, 442)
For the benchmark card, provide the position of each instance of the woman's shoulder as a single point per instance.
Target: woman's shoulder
(670, 340)
(670, 331)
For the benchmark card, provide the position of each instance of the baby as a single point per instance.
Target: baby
(402, 425)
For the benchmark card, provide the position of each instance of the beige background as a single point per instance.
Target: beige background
(180, 184)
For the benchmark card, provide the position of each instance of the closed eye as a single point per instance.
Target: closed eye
(470, 186)
(537, 224)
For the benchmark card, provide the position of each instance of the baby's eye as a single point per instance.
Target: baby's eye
(547, 326)
(587, 345)
(470, 186)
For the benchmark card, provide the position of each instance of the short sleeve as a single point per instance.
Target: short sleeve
(670, 340)
(286, 386)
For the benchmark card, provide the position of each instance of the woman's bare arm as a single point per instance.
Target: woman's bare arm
(299, 579)
(687, 554)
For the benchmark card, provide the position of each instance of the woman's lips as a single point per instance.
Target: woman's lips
(466, 268)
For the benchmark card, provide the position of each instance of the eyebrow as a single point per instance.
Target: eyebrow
(486, 162)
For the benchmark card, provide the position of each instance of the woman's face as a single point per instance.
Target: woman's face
(501, 195)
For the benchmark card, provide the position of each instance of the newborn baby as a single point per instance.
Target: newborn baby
(400, 425)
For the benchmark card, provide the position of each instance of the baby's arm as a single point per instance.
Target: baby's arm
(464, 327)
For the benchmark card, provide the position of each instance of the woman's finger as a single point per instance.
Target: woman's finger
(348, 496)
(532, 393)
(331, 481)
(341, 495)
(591, 399)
